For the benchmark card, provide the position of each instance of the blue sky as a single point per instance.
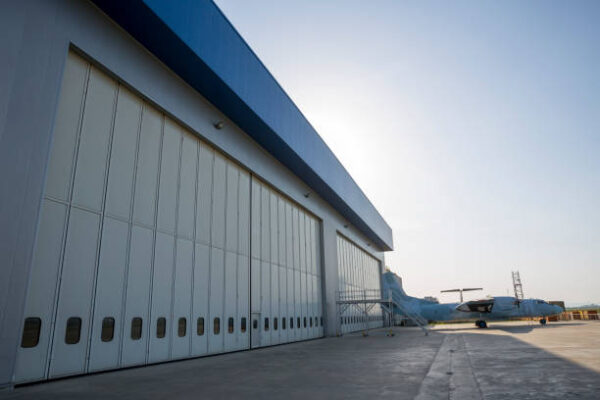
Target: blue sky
(473, 126)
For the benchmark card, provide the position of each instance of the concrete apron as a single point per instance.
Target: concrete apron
(451, 373)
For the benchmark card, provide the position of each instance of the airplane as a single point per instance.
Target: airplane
(488, 309)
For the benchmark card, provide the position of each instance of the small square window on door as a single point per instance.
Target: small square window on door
(200, 326)
(73, 331)
(181, 327)
(108, 329)
(161, 327)
(136, 328)
(31, 332)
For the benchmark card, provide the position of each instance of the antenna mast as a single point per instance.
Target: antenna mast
(517, 285)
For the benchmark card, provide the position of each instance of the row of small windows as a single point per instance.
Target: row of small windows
(32, 328)
(360, 319)
(33, 325)
(317, 322)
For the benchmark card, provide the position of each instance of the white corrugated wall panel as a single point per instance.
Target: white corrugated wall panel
(76, 288)
(141, 220)
(66, 128)
(218, 201)
(230, 295)
(137, 295)
(146, 181)
(243, 299)
(169, 173)
(182, 299)
(216, 324)
(32, 361)
(162, 281)
(109, 294)
(200, 300)
(358, 271)
(265, 306)
(204, 193)
(123, 155)
(274, 303)
(186, 210)
(231, 208)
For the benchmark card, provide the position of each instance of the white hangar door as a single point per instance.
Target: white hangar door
(143, 246)
(358, 275)
(286, 298)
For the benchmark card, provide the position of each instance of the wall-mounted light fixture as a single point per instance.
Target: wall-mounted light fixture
(307, 195)
(219, 125)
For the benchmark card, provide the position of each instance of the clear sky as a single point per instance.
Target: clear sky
(472, 126)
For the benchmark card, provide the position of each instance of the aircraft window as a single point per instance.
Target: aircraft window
(181, 327)
(108, 329)
(136, 328)
(161, 327)
(217, 326)
(243, 325)
(73, 332)
(31, 332)
(200, 326)
(230, 325)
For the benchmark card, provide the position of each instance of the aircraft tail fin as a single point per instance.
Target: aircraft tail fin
(393, 283)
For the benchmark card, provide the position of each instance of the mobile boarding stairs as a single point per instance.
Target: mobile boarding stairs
(363, 301)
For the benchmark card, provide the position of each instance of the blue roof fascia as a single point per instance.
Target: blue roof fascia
(195, 40)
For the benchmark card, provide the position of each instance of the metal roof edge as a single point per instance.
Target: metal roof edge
(197, 42)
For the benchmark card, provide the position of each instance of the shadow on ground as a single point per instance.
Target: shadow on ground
(457, 364)
(507, 327)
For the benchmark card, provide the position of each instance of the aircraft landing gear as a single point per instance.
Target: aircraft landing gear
(480, 324)
(543, 321)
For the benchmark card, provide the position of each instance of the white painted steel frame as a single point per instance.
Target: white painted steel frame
(286, 284)
(142, 220)
(357, 271)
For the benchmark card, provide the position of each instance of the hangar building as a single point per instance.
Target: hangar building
(161, 196)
